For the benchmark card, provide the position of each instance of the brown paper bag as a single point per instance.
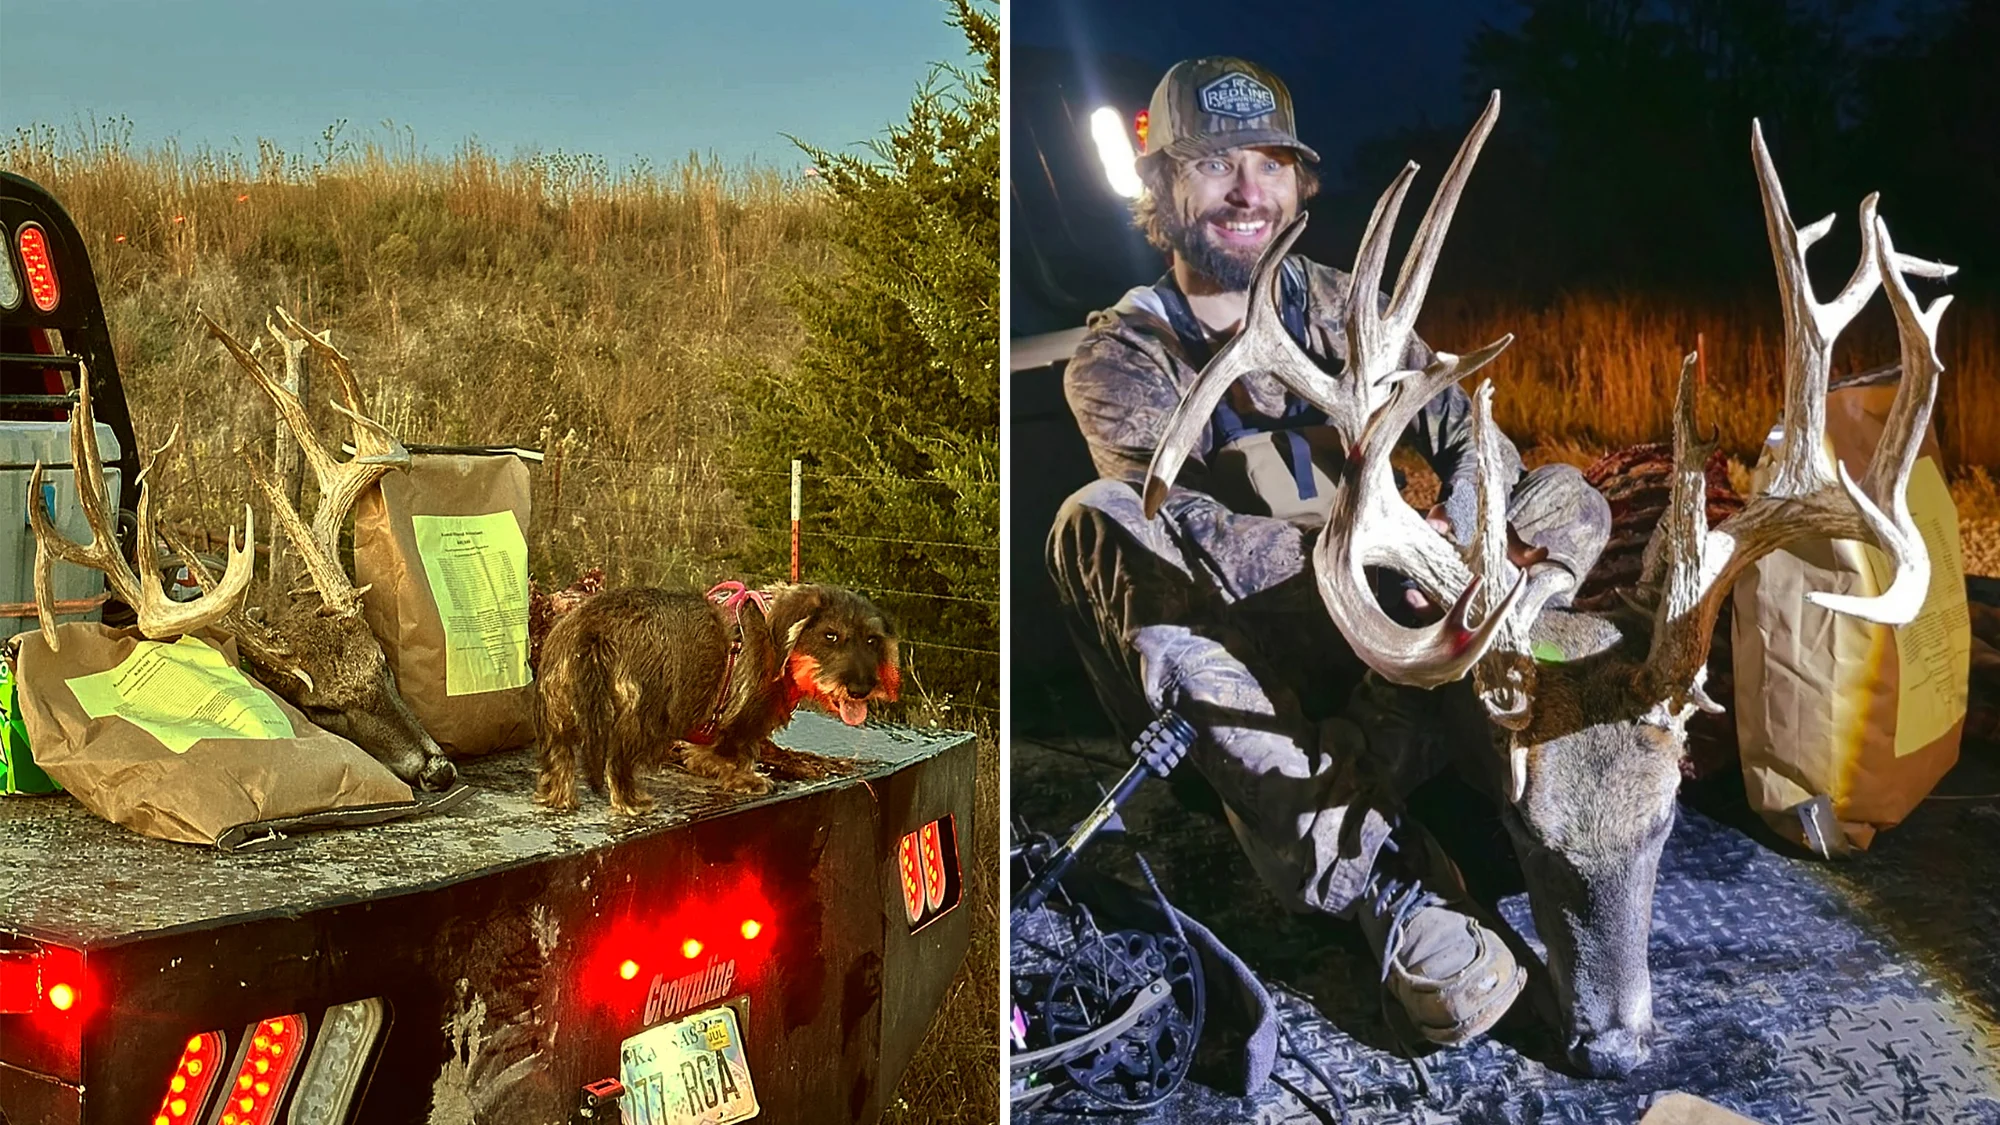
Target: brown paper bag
(172, 740)
(443, 548)
(1845, 725)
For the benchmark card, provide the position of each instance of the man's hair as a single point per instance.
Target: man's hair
(1156, 177)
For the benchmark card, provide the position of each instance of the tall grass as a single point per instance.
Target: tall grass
(540, 299)
(1597, 371)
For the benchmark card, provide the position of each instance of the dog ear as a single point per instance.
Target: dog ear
(889, 670)
(791, 611)
(889, 667)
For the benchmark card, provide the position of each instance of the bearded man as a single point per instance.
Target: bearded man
(1211, 608)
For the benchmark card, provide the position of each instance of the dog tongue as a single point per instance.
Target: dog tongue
(853, 712)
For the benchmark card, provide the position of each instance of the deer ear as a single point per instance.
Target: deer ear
(791, 611)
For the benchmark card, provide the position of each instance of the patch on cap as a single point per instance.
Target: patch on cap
(1237, 95)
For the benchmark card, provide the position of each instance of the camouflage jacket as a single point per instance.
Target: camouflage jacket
(1130, 370)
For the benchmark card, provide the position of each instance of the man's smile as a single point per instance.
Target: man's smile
(1240, 232)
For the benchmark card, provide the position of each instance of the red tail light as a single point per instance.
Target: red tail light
(927, 868)
(194, 1079)
(910, 869)
(270, 1055)
(46, 982)
(34, 247)
(20, 984)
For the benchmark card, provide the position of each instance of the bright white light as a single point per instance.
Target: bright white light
(1114, 147)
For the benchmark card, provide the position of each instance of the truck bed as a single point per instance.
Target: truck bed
(85, 883)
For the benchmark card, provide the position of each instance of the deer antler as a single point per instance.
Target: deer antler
(159, 615)
(376, 453)
(1809, 496)
(1370, 405)
(1370, 525)
(1262, 345)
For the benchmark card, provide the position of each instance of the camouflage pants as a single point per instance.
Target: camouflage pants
(1217, 615)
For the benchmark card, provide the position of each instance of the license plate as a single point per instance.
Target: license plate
(689, 1072)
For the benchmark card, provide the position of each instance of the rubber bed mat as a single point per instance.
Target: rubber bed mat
(1786, 989)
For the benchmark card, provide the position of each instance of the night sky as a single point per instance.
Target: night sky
(1621, 156)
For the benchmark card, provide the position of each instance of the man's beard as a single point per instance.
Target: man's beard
(1230, 268)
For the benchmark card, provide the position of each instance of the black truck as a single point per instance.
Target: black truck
(722, 959)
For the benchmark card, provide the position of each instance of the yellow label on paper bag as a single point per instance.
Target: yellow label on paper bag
(478, 571)
(1933, 652)
(180, 694)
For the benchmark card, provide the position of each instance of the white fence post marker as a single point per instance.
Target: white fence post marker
(795, 522)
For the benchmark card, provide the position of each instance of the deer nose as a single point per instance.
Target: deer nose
(1609, 1054)
(437, 775)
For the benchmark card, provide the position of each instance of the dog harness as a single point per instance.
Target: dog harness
(730, 596)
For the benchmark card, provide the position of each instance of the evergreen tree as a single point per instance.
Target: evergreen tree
(893, 402)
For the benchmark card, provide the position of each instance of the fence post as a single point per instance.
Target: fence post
(795, 521)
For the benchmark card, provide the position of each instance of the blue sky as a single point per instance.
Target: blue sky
(620, 79)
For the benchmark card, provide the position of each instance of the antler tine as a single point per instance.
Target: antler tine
(288, 405)
(1807, 498)
(322, 342)
(1375, 346)
(159, 616)
(1262, 345)
(1882, 498)
(1418, 265)
(1370, 524)
(1505, 676)
(1810, 325)
(334, 587)
(340, 483)
(1916, 333)
(376, 450)
(1679, 558)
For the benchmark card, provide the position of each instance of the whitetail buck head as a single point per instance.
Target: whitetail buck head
(312, 645)
(1587, 749)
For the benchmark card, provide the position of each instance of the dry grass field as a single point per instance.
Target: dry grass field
(1598, 371)
(536, 300)
(1592, 373)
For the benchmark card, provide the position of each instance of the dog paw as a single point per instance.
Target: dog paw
(748, 782)
(639, 805)
(558, 802)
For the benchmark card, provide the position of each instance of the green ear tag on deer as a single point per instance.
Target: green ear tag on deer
(1546, 653)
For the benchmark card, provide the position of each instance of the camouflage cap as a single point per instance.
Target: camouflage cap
(1210, 105)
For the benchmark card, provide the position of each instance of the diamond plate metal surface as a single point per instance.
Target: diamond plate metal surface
(1787, 990)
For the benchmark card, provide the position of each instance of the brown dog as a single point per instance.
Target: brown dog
(630, 672)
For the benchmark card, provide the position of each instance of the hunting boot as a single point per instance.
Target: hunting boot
(1442, 964)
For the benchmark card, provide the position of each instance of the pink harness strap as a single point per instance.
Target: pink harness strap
(730, 596)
